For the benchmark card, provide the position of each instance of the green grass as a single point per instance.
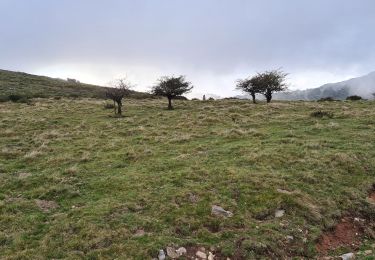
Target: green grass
(161, 171)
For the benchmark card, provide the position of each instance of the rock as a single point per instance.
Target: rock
(290, 237)
(171, 252)
(161, 255)
(139, 233)
(284, 191)
(181, 251)
(219, 211)
(211, 256)
(279, 213)
(347, 256)
(201, 255)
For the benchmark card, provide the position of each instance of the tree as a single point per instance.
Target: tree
(270, 82)
(171, 87)
(250, 86)
(265, 83)
(121, 88)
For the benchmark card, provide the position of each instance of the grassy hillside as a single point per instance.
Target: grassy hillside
(31, 86)
(77, 183)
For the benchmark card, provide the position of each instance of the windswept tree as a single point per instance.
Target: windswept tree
(120, 89)
(265, 83)
(270, 82)
(249, 86)
(171, 87)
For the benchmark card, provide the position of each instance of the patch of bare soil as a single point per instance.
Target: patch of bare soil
(371, 196)
(347, 233)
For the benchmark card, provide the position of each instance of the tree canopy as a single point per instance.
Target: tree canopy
(171, 87)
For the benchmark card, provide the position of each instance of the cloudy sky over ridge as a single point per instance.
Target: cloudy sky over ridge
(212, 42)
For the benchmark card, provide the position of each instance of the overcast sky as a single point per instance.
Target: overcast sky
(212, 42)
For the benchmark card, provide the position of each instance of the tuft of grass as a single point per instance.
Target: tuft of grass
(321, 114)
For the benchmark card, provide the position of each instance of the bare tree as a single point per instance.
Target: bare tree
(171, 87)
(121, 88)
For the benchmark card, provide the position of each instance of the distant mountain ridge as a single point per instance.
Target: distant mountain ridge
(362, 86)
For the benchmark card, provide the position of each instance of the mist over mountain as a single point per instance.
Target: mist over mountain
(362, 86)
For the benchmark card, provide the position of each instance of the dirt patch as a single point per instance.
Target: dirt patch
(347, 233)
(371, 196)
(46, 205)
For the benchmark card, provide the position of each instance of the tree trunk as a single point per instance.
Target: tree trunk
(114, 106)
(119, 111)
(253, 96)
(268, 96)
(170, 103)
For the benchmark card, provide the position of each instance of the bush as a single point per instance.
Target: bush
(211, 98)
(321, 114)
(354, 98)
(57, 98)
(14, 97)
(327, 99)
(109, 106)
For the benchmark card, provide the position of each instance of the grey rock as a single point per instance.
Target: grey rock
(279, 213)
(181, 251)
(290, 237)
(201, 255)
(161, 255)
(219, 211)
(348, 256)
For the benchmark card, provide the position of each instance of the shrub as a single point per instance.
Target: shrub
(327, 99)
(211, 98)
(354, 98)
(321, 114)
(14, 97)
(57, 98)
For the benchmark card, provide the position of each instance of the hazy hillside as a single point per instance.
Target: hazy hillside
(362, 86)
(19, 83)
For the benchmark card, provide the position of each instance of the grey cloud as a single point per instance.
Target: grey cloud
(215, 37)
